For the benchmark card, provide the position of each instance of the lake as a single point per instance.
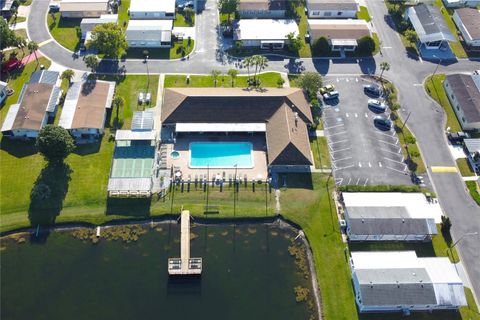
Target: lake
(250, 271)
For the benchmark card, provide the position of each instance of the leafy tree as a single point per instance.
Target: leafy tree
(233, 74)
(21, 43)
(109, 39)
(188, 13)
(411, 36)
(215, 74)
(384, 66)
(295, 43)
(32, 48)
(311, 82)
(321, 47)
(7, 36)
(55, 143)
(227, 7)
(68, 75)
(91, 61)
(366, 46)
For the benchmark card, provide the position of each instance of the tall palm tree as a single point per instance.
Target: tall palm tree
(233, 74)
(384, 66)
(32, 48)
(68, 75)
(248, 63)
(260, 62)
(215, 74)
(20, 43)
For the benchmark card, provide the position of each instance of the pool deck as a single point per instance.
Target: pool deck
(259, 170)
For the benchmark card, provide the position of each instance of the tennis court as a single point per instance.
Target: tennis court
(133, 161)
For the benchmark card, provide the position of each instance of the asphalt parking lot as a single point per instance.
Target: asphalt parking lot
(361, 153)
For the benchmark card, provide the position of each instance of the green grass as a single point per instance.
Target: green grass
(434, 88)
(21, 33)
(306, 51)
(123, 16)
(319, 149)
(163, 53)
(473, 189)
(181, 22)
(464, 167)
(268, 80)
(16, 19)
(363, 14)
(90, 165)
(65, 31)
(456, 45)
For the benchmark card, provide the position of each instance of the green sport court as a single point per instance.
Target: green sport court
(133, 160)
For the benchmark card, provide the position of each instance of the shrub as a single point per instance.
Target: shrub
(321, 47)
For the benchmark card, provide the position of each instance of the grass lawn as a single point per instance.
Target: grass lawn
(363, 14)
(123, 16)
(306, 51)
(65, 31)
(21, 33)
(90, 165)
(464, 167)
(321, 156)
(456, 45)
(16, 19)
(166, 53)
(473, 189)
(268, 80)
(181, 22)
(434, 88)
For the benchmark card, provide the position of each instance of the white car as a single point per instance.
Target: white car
(377, 105)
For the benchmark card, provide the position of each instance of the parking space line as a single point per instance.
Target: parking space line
(393, 160)
(342, 168)
(387, 135)
(335, 126)
(337, 133)
(392, 144)
(340, 150)
(342, 159)
(395, 153)
(369, 165)
(358, 180)
(379, 164)
(339, 141)
(402, 172)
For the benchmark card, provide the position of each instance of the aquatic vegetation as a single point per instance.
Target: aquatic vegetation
(252, 230)
(301, 293)
(125, 234)
(298, 251)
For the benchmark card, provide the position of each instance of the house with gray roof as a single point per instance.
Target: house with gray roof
(428, 22)
(390, 216)
(262, 9)
(463, 91)
(468, 23)
(461, 3)
(149, 33)
(3, 91)
(37, 104)
(330, 9)
(399, 281)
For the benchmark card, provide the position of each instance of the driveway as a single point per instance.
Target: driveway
(361, 153)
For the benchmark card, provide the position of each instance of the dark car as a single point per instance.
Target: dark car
(457, 137)
(373, 90)
(377, 106)
(382, 123)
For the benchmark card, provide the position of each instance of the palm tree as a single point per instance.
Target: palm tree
(32, 48)
(261, 63)
(68, 75)
(215, 74)
(247, 63)
(233, 74)
(384, 66)
(118, 102)
(20, 43)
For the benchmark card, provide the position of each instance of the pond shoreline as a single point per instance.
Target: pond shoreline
(278, 220)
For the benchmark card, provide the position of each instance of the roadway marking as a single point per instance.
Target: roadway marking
(340, 150)
(334, 134)
(386, 47)
(339, 141)
(360, 164)
(335, 126)
(379, 164)
(439, 169)
(418, 85)
(366, 180)
(402, 172)
(356, 115)
(342, 159)
(393, 160)
(369, 165)
(41, 44)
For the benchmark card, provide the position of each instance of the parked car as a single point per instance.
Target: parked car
(331, 95)
(10, 65)
(327, 88)
(373, 89)
(377, 105)
(457, 137)
(382, 123)
(54, 7)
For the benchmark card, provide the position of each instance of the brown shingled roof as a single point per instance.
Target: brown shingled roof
(467, 95)
(91, 106)
(286, 112)
(339, 31)
(33, 106)
(262, 5)
(471, 21)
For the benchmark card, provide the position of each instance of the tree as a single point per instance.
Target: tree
(311, 82)
(21, 43)
(55, 143)
(32, 47)
(248, 63)
(233, 74)
(118, 102)
(411, 36)
(321, 47)
(68, 75)
(7, 36)
(384, 66)
(91, 61)
(215, 74)
(188, 13)
(366, 46)
(227, 7)
(109, 39)
(260, 62)
(295, 43)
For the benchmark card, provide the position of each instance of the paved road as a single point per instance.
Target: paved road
(407, 72)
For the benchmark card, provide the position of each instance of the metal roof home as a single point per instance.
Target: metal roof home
(149, 33)
(336, 5)
(152, 9)
(400, 281)
(83, 8)
(378, 216)
(468, 23)
(262, 5)
(285, 112)
(429, 23)
(264, 29)
(463, 91)
(36, 103)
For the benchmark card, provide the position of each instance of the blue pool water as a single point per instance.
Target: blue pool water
(221, 155)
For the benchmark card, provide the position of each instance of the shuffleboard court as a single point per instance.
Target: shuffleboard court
(134, 161)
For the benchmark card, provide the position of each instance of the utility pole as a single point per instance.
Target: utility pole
(208, 175)
(235, 191)
(408, 117)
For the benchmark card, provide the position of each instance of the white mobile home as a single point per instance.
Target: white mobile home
(152, 9)
(468, 23)
(84, 8)
(264, 33)
(463, 92)
(149, 33)
(330, 9)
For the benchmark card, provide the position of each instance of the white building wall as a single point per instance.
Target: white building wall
(265, 14)
(458, 111)
(332, 14)
(83, 14)
(147, 44)
(141, 15)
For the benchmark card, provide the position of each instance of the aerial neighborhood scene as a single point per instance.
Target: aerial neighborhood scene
(240, 159)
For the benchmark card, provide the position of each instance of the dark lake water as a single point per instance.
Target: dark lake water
(248, 273)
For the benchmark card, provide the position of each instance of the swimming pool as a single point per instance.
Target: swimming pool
(221, 155)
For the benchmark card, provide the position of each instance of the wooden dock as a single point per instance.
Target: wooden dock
(185, 265)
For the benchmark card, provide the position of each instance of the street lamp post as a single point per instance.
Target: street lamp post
(235, 191)
(461, 238)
